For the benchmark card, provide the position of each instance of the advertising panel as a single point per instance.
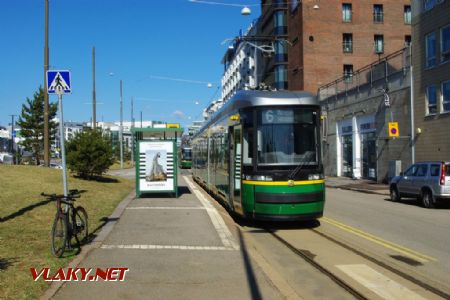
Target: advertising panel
(156, 166)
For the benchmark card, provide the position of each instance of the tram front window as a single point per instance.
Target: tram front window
(187, 154)
(287, 136)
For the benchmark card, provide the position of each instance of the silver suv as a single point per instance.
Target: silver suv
(426, 181)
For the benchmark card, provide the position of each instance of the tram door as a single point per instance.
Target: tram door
(235, 167)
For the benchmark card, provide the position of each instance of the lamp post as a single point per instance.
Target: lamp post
(12, 136)
(46, 108)
(132, 134)
(121, 127)
(94, 96)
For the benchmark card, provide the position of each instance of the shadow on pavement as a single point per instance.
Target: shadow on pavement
(251, 278)
(93, 233)
(415, 202)
(264, 226)
(181, 191)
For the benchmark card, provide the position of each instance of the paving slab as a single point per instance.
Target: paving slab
(173, 251)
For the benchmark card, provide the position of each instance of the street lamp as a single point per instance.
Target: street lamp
(245, 8)
(246, 11)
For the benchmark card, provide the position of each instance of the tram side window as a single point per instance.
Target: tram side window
(248, 136)
(248, 146)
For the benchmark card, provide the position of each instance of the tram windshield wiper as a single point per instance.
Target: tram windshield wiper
(306, 158)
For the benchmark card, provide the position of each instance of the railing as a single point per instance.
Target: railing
(375, 74)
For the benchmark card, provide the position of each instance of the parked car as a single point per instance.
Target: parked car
(426, 181)
(6, 158)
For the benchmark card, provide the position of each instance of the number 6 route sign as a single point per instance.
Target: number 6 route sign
(58, 80)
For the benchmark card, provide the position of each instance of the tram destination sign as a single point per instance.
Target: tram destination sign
(277, 116)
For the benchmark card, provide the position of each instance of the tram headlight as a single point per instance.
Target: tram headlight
(314, 176)
(259, 177)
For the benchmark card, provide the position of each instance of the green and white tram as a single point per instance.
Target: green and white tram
(260, 155)
(185, 157)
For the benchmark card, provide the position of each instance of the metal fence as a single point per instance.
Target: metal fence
(371, 75)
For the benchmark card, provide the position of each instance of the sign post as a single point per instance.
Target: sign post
(59, 83)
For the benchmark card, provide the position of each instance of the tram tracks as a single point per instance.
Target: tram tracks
(309, 259)
(355, 292)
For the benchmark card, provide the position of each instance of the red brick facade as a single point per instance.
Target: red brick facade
(316, 30)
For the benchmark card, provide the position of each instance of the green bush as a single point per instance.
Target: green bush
(89, 154)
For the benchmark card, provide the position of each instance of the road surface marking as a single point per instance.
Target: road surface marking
(159, 247)
(387, 244)
(225, 235)
(165, 207)
(383, 286)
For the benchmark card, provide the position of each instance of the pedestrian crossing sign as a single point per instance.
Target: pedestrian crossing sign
(58, 82)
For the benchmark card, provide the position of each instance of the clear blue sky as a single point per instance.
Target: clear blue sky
(137, 41)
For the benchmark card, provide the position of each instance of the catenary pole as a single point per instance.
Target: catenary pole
(94, 96)
(121, 127)
(46, 66)
(132, 134)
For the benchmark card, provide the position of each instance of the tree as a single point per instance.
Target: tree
(31, 122)
(89, 153)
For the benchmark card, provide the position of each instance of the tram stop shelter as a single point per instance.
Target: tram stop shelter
(156, 162)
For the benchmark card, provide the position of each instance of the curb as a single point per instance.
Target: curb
(96, 243)
(359, 190)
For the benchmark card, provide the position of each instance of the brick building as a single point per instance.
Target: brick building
(331, 39)
(431, 65)
(273, 23)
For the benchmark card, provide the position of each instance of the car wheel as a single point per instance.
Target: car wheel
(427, 199)
(395, 196)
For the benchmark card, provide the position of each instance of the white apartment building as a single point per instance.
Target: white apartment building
(241, 66)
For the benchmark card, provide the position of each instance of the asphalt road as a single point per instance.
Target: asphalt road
(414, 238)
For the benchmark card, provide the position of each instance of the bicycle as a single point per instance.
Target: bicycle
(70, 222)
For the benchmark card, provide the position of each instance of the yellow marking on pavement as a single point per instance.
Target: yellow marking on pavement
(286, 183)
(387, 244)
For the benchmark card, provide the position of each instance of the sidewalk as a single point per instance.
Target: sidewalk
(174, 249)
(359, 185)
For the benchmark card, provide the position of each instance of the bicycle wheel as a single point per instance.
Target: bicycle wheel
(80, 226)
(59, 235)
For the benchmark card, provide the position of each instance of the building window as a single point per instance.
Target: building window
(429, 4)
(348, 73)
(281, 77)
(279, 24)
(430, 50)
(407, 40)
(407, 14)
(431, 100)
(280, 51)
(346, 12)
(378, 13)
(347, 42)
(379, 43)
(446, 96)
(445, 43)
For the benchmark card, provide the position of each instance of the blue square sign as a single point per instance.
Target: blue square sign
(58, 80)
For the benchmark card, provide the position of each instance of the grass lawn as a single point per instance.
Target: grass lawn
(26, 219)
